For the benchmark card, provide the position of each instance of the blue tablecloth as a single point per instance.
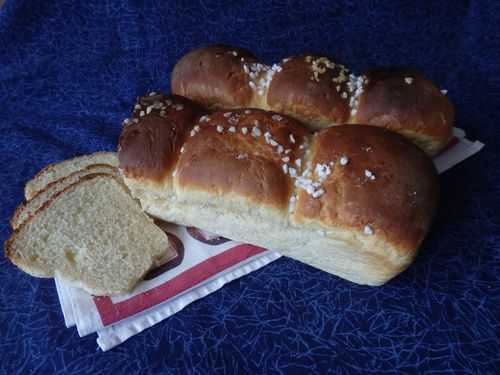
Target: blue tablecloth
(69, 72)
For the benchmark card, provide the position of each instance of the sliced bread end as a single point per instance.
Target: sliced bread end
(92, 233)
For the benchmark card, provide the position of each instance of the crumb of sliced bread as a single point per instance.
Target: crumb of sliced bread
(29, 208)
(91, 233)
(54, 172)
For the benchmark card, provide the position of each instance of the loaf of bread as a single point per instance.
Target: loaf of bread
(352, 200)
(91, 233)
(319, 92)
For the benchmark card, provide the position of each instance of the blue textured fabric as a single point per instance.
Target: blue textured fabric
(69, 72)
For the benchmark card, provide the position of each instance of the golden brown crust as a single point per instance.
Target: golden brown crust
(241, 152)
(319, 92)
(386, 185)
(214, 76)
(402, 100)
(311, 89)
(150, 142)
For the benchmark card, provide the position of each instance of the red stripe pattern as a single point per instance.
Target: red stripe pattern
(113, 312)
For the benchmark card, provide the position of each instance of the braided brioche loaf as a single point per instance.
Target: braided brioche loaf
(318, 92)
(353, 200)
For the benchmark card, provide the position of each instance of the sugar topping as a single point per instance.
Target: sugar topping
(244, 130)
(369, 174)
(322, 171)
(181, 150)
(444, 92)
(260, 75)
(137, 106)
(292, 139)
(267, 137)
(313, 186)
(152, 93)
(242, 156)
(142, 114)
(319, 66)
(368, 230)
(232, 129)
(277, 117)
(227, 114)
(195, 130)
(409, 80)
(158, 105)
(204, 118)
(220, 129)
(256, 132)
(355, 87)
(344, 160)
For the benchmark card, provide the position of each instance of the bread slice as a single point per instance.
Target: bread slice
(54, 172)
(91, 233)
(27, 209)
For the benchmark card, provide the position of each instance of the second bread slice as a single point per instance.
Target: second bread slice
(92, 233)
